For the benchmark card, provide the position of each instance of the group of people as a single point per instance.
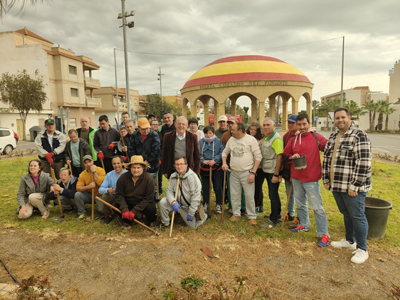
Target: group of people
(124, 167)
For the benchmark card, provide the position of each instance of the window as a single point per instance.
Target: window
(72, 122)
(74, 92)
(5, 133)
(72, 70)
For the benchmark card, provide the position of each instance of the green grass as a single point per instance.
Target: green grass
(386, 178)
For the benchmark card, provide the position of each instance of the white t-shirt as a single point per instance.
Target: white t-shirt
(50, 137)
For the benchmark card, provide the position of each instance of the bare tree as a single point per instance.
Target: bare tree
(6, 5)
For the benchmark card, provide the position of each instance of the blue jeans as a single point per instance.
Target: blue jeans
(290, 208)
(310, 190)
(273, 194)
(217, 178)
(355, 221)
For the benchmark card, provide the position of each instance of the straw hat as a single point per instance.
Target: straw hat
(137, 159)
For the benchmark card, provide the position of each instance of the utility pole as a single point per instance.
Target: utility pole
(116, 85)
(341, 90)
(159, 78)
(123, 16)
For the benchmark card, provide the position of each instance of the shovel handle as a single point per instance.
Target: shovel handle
(173, 213)
(53, 175)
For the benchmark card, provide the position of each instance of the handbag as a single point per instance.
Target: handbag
(200, 213)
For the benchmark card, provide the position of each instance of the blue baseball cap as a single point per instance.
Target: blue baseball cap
(292, 118)
(49, 122)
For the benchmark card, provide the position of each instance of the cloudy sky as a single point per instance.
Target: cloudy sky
(182, 36)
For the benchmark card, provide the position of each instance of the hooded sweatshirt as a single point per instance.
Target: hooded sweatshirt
(306, 144)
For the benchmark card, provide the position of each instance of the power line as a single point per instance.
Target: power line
(222, 53)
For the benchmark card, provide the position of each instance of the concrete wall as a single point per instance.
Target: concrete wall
(394, 83)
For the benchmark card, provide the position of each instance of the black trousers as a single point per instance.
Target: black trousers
(107, 164)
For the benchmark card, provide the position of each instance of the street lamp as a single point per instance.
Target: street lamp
(159, 78)
(60, 115)
(123, 16)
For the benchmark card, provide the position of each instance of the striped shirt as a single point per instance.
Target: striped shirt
(352, 162)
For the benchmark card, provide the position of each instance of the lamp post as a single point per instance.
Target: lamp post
(159, 78)
(67, 115)
(116, 85)
(123, 16)
(60, 115)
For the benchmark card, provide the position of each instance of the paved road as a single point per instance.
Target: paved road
(382, 143)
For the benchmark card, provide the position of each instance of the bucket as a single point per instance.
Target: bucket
(300, 162)
(377, 213)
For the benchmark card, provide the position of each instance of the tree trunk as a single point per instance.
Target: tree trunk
(387, 122)
(371, 125)
(24, 127)
(373, 121)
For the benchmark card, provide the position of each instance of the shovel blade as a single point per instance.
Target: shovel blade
(59, 220)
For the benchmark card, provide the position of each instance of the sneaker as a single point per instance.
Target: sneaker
(230, 211)
(344, 244)
(243, 212)
(300, 228)
(295, 223)
(107, 219)
(289, 217)
(324, 241)
(46, 214)
(163, 226)
(81, 217)
(260, 209)
(234, 219)
(205, 206)
(359, 256)
(269, 224)
(218, 209)
(257, 211)
(253, 222)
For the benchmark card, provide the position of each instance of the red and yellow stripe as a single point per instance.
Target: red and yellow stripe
(245, 68)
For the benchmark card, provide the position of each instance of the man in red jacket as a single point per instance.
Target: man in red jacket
(305, 181)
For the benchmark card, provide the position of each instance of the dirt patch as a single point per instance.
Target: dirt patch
(120, 267)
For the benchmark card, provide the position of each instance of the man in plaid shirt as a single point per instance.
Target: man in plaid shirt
(346, 171)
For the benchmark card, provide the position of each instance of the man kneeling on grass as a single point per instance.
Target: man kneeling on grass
(109, 184)
(66, 189)
(188, 199)
(134, 194)
(90, 179)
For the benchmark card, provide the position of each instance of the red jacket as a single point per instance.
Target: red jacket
(306, 144)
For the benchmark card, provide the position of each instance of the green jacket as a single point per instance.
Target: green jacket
(91, 136)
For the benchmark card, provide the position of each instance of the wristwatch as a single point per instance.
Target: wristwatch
(277, 175)
(93, 172)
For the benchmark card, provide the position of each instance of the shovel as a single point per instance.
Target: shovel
(61, 218)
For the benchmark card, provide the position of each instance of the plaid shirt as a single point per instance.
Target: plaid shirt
(352, 164)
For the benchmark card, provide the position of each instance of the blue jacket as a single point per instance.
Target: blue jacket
(110, 181)
(149, 149)
(211, 151)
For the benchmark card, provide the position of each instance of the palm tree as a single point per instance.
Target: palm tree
(371, 107)
(382, 106)
(354, 110)
(6, 5)
(388, 111)
(330, 106)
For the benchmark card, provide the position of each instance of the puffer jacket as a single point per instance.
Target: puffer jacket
(149, 149)
(27, 187)
(190, 185)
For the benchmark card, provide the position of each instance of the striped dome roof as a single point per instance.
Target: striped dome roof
(245, 68)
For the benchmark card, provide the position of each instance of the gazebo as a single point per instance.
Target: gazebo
(259, 77)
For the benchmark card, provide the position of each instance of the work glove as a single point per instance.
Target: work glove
(175, 207)
(100, 155)
(189, 218)
(128, 215)
(159, 161)
(49, 157)
(125, 158)
(111, 146)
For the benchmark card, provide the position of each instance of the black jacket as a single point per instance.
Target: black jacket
(149, 149)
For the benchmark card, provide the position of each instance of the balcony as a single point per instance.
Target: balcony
(93, 102)
(92, 83)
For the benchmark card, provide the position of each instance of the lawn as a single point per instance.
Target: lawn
(386, 178)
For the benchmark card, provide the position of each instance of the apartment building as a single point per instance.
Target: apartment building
(359, 94)
(67, 77)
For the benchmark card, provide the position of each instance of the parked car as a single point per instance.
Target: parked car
(7, 140)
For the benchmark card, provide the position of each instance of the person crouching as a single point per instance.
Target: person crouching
(134, 194)
(188, 199)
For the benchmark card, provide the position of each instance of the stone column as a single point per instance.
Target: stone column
(233, 105)
(184, 107)
(193, 109)
(221, 111)
(309, 109)
(284, 112)
(261, 113)
(253, 109)
(295, 106)
(272, 110)
(206, 119)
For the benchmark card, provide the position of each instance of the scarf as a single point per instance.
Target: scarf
(210, 140)
(35, 179)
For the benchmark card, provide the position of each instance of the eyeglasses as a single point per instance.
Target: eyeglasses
(179, 165)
